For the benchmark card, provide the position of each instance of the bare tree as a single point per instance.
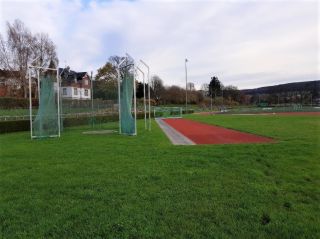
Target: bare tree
(157, 88)
(205, 89)
(21, 47)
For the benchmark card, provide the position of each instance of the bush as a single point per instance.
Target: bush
(14, 103)
(14, 126)
(189, 111)
(24, 125)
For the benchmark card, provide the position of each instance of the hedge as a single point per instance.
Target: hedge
(14, 103)
(14, 126)
(24, 125)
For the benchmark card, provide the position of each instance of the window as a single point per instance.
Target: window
(86, 82)
(86, 92)
(64, 91)
(75, 91)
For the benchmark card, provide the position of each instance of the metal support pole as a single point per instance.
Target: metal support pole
(119, 91)
(119, 98)
(58, 100)
(222, 96)
(91, 94)
(144, 99)
(30, 102)
(185, 66)
(148, 92)
(135, 100)
(38, 82)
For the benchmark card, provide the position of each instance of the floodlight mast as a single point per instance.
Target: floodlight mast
(145, 64)
(144, 99)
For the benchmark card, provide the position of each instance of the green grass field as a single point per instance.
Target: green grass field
(112, 186)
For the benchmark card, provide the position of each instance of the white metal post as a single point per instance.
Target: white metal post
(185, 66)
(91, 94)
(144, 103)
(58, 100)
(148, 92)
(144, 99)
(38, 82)
(30, 102)
(119, 98)
(134, 92)
(39, 90)
(135, 100)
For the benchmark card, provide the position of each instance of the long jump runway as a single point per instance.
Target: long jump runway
(199, 133)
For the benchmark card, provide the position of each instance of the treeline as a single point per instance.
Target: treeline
(212, 94)
(305, 93)
(106, 88)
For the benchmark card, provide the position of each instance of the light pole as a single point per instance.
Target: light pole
(148, 92)
(185, 66)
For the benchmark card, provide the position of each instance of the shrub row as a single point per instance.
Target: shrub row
(14, 126)
(24, 125)
(13, 103)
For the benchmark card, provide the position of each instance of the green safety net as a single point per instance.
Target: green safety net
(45, 123)
(127, 120)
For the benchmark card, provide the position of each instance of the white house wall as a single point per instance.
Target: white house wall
(71, 95)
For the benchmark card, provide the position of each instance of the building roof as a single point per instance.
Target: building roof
(68, 75)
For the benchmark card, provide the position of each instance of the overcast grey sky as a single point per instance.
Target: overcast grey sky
(244, 43)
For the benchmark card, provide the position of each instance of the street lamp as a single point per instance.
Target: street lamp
(185, 66)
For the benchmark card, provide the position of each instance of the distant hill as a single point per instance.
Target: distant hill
(310, 86)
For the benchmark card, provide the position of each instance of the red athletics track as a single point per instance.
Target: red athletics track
(316, 113)
(201, 133)
(299, 113)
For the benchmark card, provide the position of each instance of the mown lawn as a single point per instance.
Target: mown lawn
(112, 186)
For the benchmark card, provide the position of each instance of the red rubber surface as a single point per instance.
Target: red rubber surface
(201, 133)
(261, 113)
(300, 113)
